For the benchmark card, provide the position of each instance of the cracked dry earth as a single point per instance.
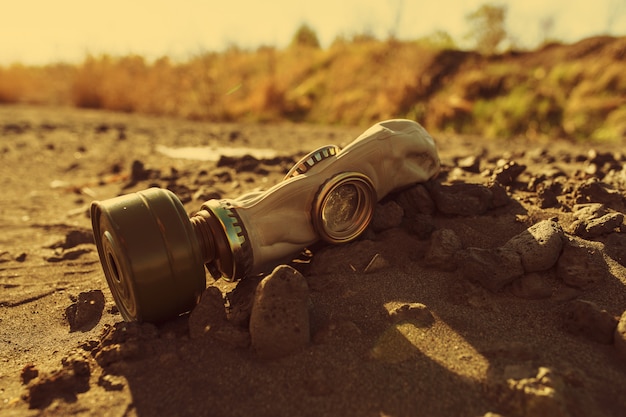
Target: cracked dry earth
(497, 288)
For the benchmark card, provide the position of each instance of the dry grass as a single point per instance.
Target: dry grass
(566, 90)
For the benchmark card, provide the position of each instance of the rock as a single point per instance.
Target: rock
(594, 220)
(208, 318)
(586, 319)
(208, 315)
(206, 193)
(469, 163)
(246, 163)
(29, 372)
(240, 301)
(279, 322)
(492, 268)
(69, 255)
(619, 338)
(581, 266)
(589, 211)
(138, 172)
(65, 383)
(539, 246)
(600, 226)
(77, 362)
(533, 286)
(539, 396)
(416, 200)
(416, 313)
(441, 254)
(386, 216)
(500, 196)
(547, 198)
(233, 336)
(594, 191)
(123, 341)
(422, 226)
(462, 199)
(74, 238)
(111, 382)
(86, 312)
(508, 172)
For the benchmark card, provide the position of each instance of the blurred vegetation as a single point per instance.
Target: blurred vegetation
(575, 91)
(488, 28)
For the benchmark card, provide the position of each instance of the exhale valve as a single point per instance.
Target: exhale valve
(153, 254)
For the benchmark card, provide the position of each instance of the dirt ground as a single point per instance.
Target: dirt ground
(438, 326)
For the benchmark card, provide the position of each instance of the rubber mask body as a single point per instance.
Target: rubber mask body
(279, 222)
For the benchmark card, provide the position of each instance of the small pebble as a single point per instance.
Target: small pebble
(462, 199)
(539, 246)
(111, 382)
(86, 312)
(508, 172)
(538, 396)
(500, 197)
(416, 313)
(469, 163)
(581, 266)
(279, 321)
(492, 268)
(208, 314)
(441, 254)
(593, 191)
(29, 372)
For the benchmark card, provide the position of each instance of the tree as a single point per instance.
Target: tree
(487, 27)
(305, 36)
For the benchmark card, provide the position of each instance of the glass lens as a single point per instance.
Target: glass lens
(341, 206)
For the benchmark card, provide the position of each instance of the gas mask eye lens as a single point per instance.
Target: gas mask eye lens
(341, 206)
(344, 207)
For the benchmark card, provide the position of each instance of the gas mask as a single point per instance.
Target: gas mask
(153, 254)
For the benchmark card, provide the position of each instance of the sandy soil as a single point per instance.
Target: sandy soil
(440, 325)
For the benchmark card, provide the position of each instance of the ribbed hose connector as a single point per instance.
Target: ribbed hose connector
(203, 233)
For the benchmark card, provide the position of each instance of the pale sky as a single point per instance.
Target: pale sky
(43, 31)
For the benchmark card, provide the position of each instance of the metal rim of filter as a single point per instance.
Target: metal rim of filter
(344, 207)
(150, 254)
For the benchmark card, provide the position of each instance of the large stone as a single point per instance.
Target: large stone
(492, 268)
(539, 246)
(279, 321)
